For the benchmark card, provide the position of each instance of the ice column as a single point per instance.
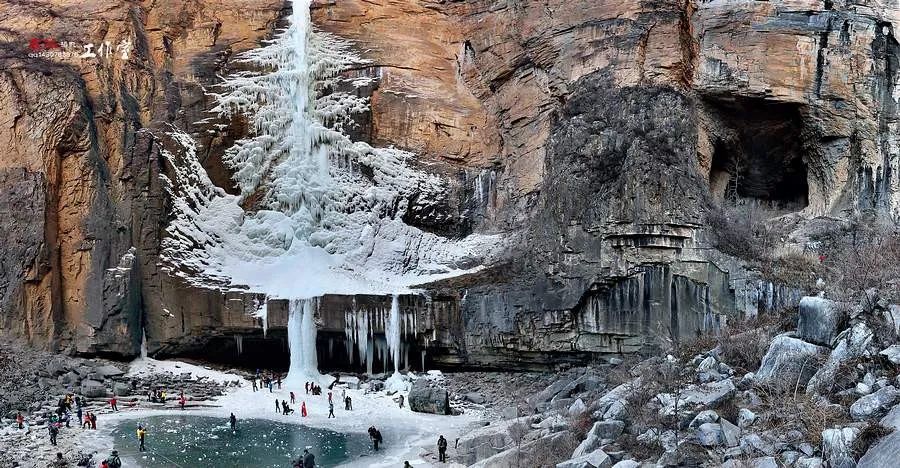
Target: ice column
(302, 341)
(392, 333)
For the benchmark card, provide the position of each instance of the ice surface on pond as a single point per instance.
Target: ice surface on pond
(317, 213)
(199, 441)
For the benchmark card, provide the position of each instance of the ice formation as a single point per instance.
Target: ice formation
(318, 213)
(392, 333)
(302, 341)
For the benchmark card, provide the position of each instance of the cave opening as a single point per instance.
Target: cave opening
(757, 154)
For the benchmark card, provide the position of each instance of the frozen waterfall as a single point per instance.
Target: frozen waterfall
(392, 333)
(302, 341)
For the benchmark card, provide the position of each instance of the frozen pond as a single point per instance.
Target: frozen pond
(202, 441)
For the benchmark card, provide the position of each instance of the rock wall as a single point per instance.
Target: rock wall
(594, 135)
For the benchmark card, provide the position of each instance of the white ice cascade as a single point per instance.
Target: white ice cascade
(392, 333)
(318, 213)
(302, 341)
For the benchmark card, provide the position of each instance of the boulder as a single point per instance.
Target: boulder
(851, 344)
(707, 395)
(92, 389)
(577, 407)
(710, 435)
(55, 368)
(753, 443)
(746, 418)
(475, 397)
(530, 454)
(427, 396)
(483, 442)
(705, 416)
(596, 459)
(788, 360)
(892, 353)
(548, 393)
(83, 371)
(609, 430)
(809, 462)
(731, 434)
(122, 389)
(627, 464)
(819, 320)
(509, 412)
(892, 419)
(875, 404)
(885, 453)
(837, 447)
(616, 397)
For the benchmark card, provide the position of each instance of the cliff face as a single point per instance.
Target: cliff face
(81, 162)
(595, 134)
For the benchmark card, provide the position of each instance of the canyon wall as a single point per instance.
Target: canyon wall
(594, 135)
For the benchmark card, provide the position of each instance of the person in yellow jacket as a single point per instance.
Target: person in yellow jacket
(141, 433)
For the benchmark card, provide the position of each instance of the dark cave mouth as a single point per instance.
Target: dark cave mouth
(759, 156)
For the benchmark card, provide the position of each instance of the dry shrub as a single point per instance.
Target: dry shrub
(580, 424)
(782, 412)
(740, 230)
(869, 436)
(860, 256)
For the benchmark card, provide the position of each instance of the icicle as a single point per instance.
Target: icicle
(392, 333)
(423, 360)
(239, 343)
(302, 341)
(143, 343)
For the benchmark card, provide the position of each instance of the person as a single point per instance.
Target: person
(79, 413)
(303, 409)
(375, 436)
(279, 381)
(60, 461)
(309, 460)
(112, 403)
(442, 449)
(141, 433)
(401, 401)
(253, 381)
(407, 465)
(54, 431)
(233, 421)
(293, 401)
(181, 401)
(114, 460)
(348, 403)
(87, 421)
(288, 409)
(329, 397)
(306, 385)
(20, 419)
(104, 464)
(93, 421)
(330, 409)
(271, 385)
(162, 396)
(277, 406)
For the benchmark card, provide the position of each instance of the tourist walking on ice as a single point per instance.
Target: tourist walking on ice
(303, 409)
(442, 449)
(93, 421)
(330, 409)
(112, 404)
(329, 397)
(277, 406)
(348, 403)
(375, 435)
(253, 381)
(54, 431)
(20, 419)
(114, 460)
(309, 460)
(293, 401)
(141, 433)
(401, 401)
(233, 421)
(306, 385)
